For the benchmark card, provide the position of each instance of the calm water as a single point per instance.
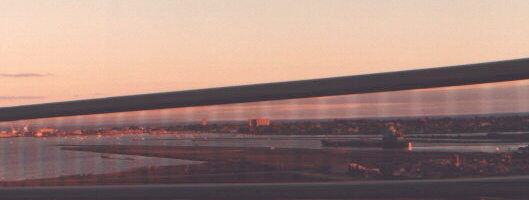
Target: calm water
(35, 158)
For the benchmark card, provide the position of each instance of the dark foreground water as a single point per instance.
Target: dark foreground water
(35, 158)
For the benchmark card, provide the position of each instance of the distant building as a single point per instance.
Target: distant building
(204, 122)
(7, 134)
(14, 131)
(252, 123)
(44, 132)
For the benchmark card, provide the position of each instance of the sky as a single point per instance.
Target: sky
(65, 50)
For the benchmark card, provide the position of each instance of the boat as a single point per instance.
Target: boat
(366, 143)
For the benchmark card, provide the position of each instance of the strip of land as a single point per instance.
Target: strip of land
(273, 165)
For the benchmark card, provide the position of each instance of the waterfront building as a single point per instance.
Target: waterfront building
(252, 123)
(44, 132)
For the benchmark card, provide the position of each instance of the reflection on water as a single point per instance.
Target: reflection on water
(35, 158)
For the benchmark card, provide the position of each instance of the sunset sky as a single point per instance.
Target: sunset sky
(65, 50)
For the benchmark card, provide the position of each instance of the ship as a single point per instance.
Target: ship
(392, 137)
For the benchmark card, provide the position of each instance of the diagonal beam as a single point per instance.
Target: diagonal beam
(508, 70)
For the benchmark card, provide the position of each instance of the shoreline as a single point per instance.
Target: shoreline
(267, 165)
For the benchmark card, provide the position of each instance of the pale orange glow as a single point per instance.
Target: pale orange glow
(88, 49)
